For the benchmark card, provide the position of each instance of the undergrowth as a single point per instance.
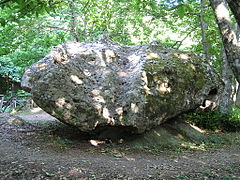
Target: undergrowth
(215, 121)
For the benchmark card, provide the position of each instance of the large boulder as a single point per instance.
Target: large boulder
(99, 84)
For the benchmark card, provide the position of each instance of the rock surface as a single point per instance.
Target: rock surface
(99, 84)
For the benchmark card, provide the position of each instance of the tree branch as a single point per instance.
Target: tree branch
(181, 41)
(85, 6)
(55, 3)
(55, 27)
(4, 1)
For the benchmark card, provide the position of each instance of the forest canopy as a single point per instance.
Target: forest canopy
(30, 28)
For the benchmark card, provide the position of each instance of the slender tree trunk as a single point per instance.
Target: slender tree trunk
(85, 28)
(229, 39)
(226, 101)
(237, 100)
(73, 21)
(237, 87)
(204, 26)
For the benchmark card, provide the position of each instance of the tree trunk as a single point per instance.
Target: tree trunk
(235, 8)
(73, 21)
(236, 95)
(204, 26)
(229, 39)
(226, 100)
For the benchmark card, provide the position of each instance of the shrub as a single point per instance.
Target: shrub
(231, 122)
(214, 120)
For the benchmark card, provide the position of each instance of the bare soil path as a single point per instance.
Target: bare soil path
(41, 148)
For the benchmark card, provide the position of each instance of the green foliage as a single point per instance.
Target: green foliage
(23, 8)
(30, 28)
(206, 120)
(24, 43)
(232, 121)
(213, 120)
(7, 69)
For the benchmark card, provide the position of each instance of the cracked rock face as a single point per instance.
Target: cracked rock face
(90, 85)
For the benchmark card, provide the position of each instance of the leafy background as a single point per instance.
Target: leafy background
(30, 28)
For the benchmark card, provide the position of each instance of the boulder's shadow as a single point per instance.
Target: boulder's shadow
(171, 133)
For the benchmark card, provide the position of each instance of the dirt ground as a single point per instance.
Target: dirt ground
(40, 148)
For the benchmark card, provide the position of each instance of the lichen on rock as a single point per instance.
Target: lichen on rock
(90, 85)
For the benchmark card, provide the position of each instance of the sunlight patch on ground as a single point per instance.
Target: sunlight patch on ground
(193, 146)
(197, 128)
(96, 142)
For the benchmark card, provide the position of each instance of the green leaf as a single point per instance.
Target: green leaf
(21, 3)
(181, 11)
(2, 22)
